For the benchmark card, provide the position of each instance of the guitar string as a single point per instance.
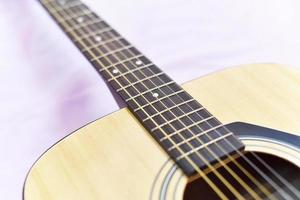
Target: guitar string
(150, 79)
(194, 165)
(249, 175)
(226, 167)
(230, 169)
(284, 181)
(264, 190)
(200, 128)
(234, 175)
(231, 188)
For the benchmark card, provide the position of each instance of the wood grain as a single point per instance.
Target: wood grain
(115, 158)
(262, 94)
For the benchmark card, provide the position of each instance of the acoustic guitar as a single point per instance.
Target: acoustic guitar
(165, 145)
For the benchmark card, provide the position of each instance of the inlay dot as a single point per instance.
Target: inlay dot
(138, 62)
(155, 95)
(98, 38)
(115, 71)
(80, 19)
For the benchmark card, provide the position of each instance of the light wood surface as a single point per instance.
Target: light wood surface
(262, 94)
(115, 158)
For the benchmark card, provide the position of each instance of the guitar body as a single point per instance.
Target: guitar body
(115, 158)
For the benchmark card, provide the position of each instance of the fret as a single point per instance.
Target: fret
(139, 81)
(157, 100)
(203, 146)
(149, 104)
(186, 128)
(120, 62)
(173, 113)
(82, 25)
(125, 62)
(114, 50)
(58, 7)
(113, 62)
(60, 2)
(78, 27)
(88, 28)
(130, 71)
(95, 34)
(79, 19)
(77, 16)
(170, 93)
(144, 87)
(111, 53)
(179, 118)
(87, 15)
(196, 136)
(146, 94)
(178, 122)
(98, 44)
(168, 109)
(81, 9)
(98, 48)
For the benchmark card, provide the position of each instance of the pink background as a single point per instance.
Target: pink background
(48, 89)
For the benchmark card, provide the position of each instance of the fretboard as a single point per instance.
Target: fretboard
(184, 128)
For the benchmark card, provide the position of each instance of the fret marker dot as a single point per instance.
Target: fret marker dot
(115, 71)
(80, 19)
(138, 62)
(98, 38)
(155, 95)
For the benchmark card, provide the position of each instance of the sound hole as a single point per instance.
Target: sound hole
(263, 188)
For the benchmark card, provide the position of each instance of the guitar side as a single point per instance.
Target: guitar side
(115, 158)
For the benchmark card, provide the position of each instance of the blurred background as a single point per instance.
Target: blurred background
(48, 89)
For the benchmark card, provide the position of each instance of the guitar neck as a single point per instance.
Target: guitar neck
(179, 123)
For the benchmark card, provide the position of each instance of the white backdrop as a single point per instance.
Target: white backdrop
(48, 89)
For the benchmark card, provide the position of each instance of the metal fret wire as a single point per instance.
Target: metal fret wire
(197, 137)
(265, 191)
(80, 15)
(202, 174)
(69, 5)
(232, 189)
(75, 28)
(193, 166)
(246, 173)
(248, 161)
(169, 108)
(182, 116)
(93, 33)
(111, 52)
(233, 174)
(117, 63)
(141, 81)
(131, 71)
(102, 43)
(163, 98)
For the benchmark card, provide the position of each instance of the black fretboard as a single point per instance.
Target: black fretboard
(183, 128)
